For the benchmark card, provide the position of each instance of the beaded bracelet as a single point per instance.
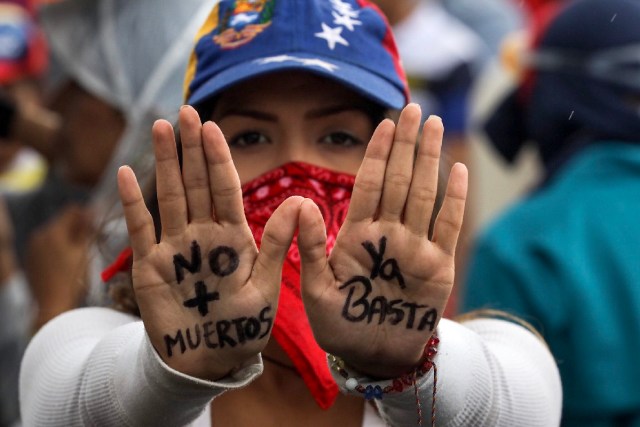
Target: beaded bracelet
(397, 385)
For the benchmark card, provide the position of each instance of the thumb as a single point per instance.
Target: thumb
(276, 240)
(312, 244)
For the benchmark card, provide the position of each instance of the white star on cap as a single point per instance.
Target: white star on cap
(332, 36)
(345, 8)
(346, 21)
(340, 3)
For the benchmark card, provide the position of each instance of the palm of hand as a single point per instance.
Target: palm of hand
(379, 296)
(207, 297)
(198, 293)
(397, 290)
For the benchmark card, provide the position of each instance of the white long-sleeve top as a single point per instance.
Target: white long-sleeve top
(96, 366)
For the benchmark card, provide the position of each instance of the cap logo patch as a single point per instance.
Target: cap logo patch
(241, 21)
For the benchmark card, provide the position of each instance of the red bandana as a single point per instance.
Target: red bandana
(331, 191)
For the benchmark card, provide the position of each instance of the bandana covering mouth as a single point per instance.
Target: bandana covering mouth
(331, 191)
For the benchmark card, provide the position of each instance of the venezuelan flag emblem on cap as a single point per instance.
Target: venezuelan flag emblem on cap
(241, 21)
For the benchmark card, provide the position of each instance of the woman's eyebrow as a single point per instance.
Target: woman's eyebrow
(335, 109)
(312, 114)
(246, 112)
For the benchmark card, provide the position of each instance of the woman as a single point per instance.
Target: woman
(292, 123)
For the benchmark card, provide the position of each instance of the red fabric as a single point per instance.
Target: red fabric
(121, 264)
(331, 191)
(390, 46)
(534, 6)
(543, 14)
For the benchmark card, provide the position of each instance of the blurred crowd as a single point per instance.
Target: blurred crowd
(81, 87)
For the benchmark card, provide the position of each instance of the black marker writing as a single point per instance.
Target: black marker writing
(388, 270)
(202, 299)
(232, 261)
(362, 308)
(180, 262)
(223, 261)
(222, 333)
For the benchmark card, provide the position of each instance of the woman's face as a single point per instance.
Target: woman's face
(280, 118)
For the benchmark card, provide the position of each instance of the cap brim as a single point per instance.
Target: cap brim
(364, 82)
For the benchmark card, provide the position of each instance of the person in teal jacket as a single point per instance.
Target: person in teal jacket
(567, 257)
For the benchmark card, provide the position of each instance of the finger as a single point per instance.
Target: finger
(223, 176)
(194, 166)
(276, 240)
(367, 188)
(400, 166)
(171, 198)
(424, 183)
(138, 219)
(312, 245)
(449, 220)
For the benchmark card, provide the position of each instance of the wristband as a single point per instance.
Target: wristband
(398, 384)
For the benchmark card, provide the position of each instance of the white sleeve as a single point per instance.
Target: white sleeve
(490, 373)
(96, 366)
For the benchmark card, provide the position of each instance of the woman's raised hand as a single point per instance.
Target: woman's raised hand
(379, 296)
(207, 298)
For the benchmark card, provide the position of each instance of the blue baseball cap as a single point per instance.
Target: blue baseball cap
(348, 41)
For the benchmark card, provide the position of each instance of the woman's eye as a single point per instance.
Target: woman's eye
(248, 139)
(341, 139)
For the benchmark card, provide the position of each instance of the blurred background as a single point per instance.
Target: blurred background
(77, 99)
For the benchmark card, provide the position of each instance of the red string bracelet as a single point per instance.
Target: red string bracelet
(397, 384)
